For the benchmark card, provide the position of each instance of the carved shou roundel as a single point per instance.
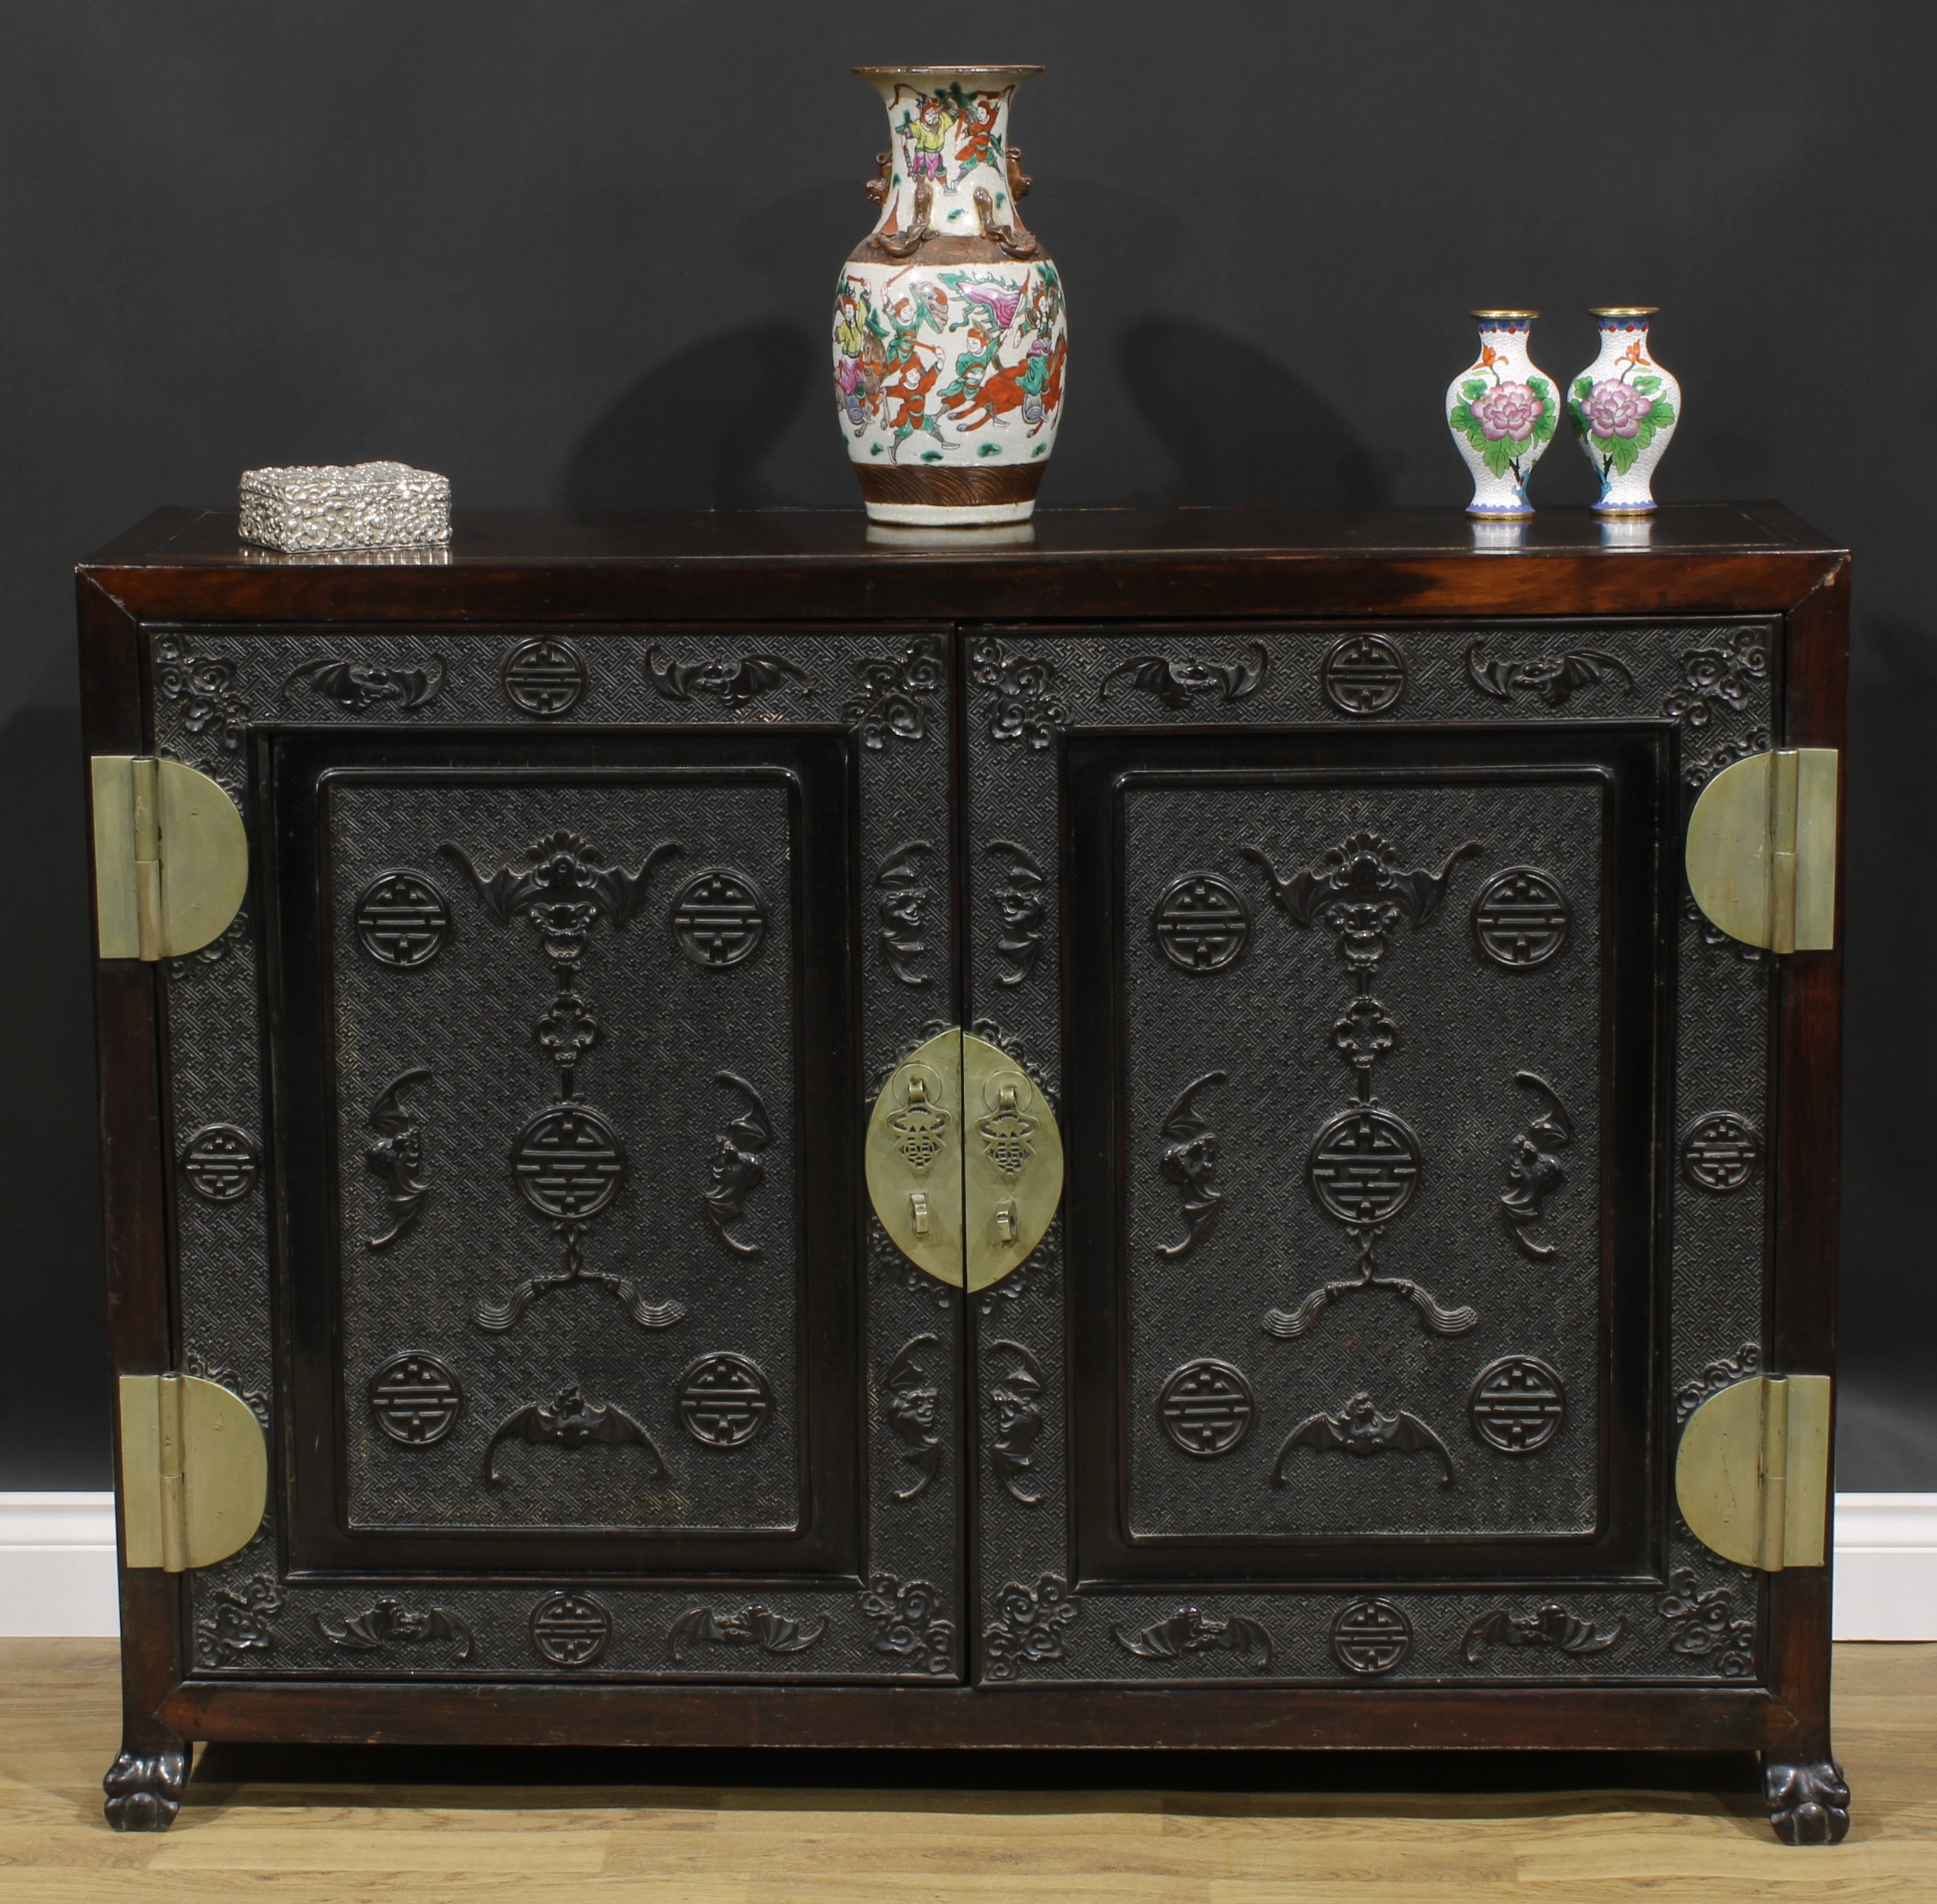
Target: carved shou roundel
(1364, 1166)
(220, 1163)
(1364, 674)
(724, 1400)
(544, 678)
(717, 917)
(1521, 917)
(416, 1400)
(1517, 1405)
(1202, 923)
(1372, 1637)
(1720, 1151)
(570, 1629)
(402, 918)
(569, 1162)
(1206, 1408)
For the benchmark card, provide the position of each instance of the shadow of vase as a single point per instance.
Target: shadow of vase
(697, 430)
(1237, 425)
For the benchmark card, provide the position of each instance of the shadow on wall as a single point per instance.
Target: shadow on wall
(698, 431)
(1239, 426)
(1889, 1305)
(54, 1406)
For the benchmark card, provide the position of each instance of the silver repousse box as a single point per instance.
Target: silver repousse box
(368, 505)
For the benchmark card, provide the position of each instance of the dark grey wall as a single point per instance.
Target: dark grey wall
(582, 254)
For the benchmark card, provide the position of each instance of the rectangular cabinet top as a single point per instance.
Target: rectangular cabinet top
(1128, 563)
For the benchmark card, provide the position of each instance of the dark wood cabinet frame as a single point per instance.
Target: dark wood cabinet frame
(185, 565)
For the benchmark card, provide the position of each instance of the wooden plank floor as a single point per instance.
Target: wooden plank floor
(346, 1826)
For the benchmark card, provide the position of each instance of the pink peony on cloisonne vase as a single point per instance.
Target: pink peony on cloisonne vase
(949, 335)
(1624, 408)
(1503, 411)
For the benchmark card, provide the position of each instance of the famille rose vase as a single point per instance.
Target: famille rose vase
(1501, 411)
(949, 333)
(1624, 408)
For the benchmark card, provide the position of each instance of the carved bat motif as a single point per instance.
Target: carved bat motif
(1359, 891)
(389, 1620)
(1190, 1162)
(903, 912)
(1018, 1421)
(732, 683)
(1021, 906)
(1188, 1631)
(571, 1422)
(1533, 1174)
(397, 1158)
(1175, 682)
(561, 872)
(1553, 677)
(736, 1170)
(1358, 1428)
(911, 1407)
(751, 1626)
(1552, 1626)
(357, 685)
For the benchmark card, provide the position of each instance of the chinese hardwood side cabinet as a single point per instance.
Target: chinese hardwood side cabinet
(608, 1164)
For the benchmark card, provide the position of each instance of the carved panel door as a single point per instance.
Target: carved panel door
(565, 967)
(1360, 976)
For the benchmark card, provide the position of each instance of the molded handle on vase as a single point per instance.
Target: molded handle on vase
(1016, 242)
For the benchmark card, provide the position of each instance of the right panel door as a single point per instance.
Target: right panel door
(1354, 1355)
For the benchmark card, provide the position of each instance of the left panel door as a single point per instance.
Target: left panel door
(555, 1011)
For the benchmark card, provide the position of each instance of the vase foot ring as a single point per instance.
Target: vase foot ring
(1630, 509)
(951, 515)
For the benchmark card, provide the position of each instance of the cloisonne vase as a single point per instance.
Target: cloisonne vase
(949, 339)
(1501, 410)
(1624, 408)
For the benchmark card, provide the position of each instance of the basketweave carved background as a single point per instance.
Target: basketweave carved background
(1033, 1615)
(652, 1031)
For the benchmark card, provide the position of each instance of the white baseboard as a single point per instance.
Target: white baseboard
(58, 1565)
(1886, 1567)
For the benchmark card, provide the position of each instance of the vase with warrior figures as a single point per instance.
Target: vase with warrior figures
(1501, 411)
(1624, 408)
(949, 338)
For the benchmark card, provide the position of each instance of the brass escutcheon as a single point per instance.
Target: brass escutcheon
(964, 1162)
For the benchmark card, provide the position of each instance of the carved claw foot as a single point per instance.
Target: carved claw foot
(1807, 1804)
(144, 1789)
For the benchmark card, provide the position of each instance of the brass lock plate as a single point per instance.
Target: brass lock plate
(1013, 1163)
(913, 1157)
(964, 1160)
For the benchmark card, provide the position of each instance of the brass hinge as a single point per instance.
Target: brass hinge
(1751, 1475)
(171, 857)
(1762, 850)
(965, 1161)
(194, 1472)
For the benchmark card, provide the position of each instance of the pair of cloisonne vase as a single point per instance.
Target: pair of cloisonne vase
(1503, 412)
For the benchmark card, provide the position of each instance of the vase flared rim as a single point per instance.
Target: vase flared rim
(1511, 317)
(1622, 311)
(948, 72)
